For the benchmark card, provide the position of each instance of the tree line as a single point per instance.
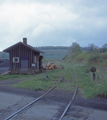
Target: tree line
(52, 47)
(75, 47)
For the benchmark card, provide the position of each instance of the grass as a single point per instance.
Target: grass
(14, 76)
(41, 82)
(92, 58)
(99, 86)
(68, 82)
(87, 86)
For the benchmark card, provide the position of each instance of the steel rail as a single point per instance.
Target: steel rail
(16, 113)
(76, 88)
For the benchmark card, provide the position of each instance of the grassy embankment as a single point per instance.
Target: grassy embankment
(89, 59)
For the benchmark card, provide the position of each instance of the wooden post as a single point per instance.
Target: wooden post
(37, 59)
(93, 76)
(31, 61)
(19, 59)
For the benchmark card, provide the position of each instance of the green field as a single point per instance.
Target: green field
(54, 53)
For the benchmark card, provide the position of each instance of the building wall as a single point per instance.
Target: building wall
(26, 56)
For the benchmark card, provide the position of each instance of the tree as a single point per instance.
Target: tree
(92, 47)
(104, 48)
(75, 47)
(105, 45)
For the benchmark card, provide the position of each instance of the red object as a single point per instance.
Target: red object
(93, 69)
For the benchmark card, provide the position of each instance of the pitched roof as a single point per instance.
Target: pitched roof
(26, 45)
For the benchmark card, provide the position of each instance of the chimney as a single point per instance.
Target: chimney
(25, 41)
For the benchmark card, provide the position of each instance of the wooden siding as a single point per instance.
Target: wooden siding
(22, 51)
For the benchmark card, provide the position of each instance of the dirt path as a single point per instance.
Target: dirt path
(57, 99)
(56, 95)
(45, 109)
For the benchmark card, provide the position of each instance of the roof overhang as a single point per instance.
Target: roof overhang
(20, 43)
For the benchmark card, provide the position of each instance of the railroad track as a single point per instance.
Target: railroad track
(76, 88)
(37, 99)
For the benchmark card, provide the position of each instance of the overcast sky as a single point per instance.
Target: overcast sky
(53, 22)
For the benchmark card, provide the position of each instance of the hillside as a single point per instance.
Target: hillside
(4, 55)
(50, 52)
(89, 58)
(54, 52)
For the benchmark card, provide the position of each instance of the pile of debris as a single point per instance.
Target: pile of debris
(50, 66)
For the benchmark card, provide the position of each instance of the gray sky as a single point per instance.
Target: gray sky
(53, 22)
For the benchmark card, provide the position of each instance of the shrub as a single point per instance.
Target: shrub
(81, 57)
(104, 56)
(94, 58)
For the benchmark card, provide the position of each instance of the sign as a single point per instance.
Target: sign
(93, 69)
(33, 65)
(15, 59)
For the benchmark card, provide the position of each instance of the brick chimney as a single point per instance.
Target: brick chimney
(25, 40)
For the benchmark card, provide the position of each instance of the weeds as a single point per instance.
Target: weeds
(46, 80)
(14, 76)
(41, 82)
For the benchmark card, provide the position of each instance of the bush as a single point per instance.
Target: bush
(104, 56)
(81, 57)
(94, 58)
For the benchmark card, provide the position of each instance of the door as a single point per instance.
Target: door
(24, 64)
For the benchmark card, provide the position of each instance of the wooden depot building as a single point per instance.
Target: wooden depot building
(24, 58)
